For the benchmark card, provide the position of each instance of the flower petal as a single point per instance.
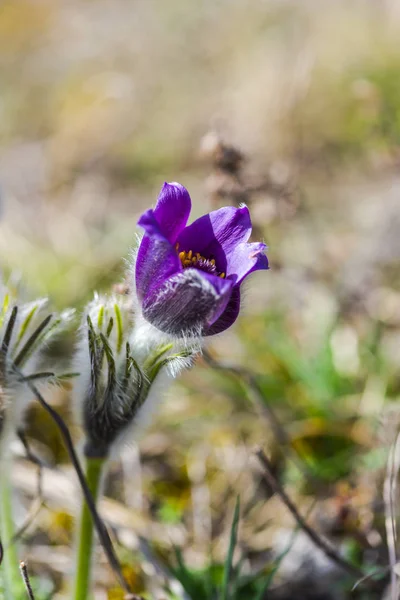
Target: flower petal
(216, 234)
(228, 316)
(187, 303)
(172, 210)
(244, 259)
(156, 259)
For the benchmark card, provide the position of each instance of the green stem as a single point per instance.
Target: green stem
(12, 582)
(94, 467)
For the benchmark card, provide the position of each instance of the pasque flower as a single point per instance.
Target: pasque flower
(188, 277)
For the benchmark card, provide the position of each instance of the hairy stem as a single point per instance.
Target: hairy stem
(94, 468)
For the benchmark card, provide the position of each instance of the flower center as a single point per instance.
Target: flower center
(197, 261)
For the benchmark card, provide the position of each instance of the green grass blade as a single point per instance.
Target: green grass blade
(270, 577)
(232, 546)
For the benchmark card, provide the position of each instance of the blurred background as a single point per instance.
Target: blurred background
(294, 108)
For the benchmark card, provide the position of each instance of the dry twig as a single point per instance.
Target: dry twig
(98, 523)
(25, 577)
(322, 544)
(264, 410)
(38, 503)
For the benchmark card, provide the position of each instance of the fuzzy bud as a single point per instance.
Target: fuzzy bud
(116, 375)
(25, 331)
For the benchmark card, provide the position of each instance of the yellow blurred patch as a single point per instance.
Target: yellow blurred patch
(22, 23)
(134, 579)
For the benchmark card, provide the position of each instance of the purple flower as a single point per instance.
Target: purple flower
(188, 277)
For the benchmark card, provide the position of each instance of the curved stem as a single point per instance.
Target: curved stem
(329, 550)
(94, 468)
(100, 527)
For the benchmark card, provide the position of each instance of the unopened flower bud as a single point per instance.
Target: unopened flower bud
(116, 375)
(25, 331)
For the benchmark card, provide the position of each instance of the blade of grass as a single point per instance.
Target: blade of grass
(231, 549)
(270, 577)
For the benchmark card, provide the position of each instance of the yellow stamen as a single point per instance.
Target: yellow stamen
(190, 259)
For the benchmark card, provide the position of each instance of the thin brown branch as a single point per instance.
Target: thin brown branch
(322, 544)
(34, 510)
(101, 529)
(38, 503)
(265, 411)
(34, 459)
(279, 432)
(25, 577)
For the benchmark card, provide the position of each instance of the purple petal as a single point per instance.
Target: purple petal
(215, 235)
(229, 315)
(156, 260)
(151, 226)
(187, 303)
(172, 210)
(244, 259)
